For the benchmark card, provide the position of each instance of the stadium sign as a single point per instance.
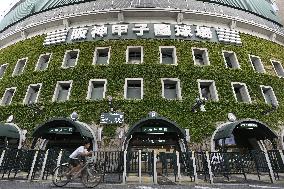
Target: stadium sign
(112, 118)
(143, 31)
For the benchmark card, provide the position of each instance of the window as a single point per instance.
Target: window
(171, 89)
(200, 56)
(231, 60)
(278, 68)
(207, 90)
(20, 67)
(62, 91)
(70, 58)
(268, 95)
(241, 92)
(102, 55)
(32, 94)
(8, 96)
(134, 55)
(97, 89)
(256, 64)
(3, 70)
(168, 55)
(43, 62)
(133, 88)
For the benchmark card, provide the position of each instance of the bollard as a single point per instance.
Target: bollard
(155, 168)
(194, 167)
(124, 167)
(33, 166)
(140, 167)
(209, 167)
(43, 165)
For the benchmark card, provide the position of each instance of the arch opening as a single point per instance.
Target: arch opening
(243, 135)
(61, 133)
(10, 136)
(156, 133)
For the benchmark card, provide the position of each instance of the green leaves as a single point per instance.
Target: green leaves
(200, 124)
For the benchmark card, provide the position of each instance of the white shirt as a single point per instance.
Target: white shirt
(78, 152)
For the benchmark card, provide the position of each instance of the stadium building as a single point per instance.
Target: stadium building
(143, 74)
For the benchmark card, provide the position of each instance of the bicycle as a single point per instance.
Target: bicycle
(91, 174)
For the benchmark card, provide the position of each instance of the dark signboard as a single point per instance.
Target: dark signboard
(112, 118)
(248, 125)
(61, 130)
(155, 129)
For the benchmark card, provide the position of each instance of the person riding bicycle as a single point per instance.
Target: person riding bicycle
(74, 158)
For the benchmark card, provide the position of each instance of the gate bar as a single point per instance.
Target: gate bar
(33, 166)
(124, 167)
(43, 165)
(140, 166)
(178, 165)
(281, 155)
(194, 167)
(155, 168)
(272, 178)
(2, 157)
(209, 167)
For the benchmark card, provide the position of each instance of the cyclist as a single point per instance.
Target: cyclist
(74, 158)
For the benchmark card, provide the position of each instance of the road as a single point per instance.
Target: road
(37, 185)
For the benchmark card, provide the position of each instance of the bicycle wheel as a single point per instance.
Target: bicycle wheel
(59, 178)
(91, 176)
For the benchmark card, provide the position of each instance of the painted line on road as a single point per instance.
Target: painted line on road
(205, 187)
(145, 187)
(258, 186)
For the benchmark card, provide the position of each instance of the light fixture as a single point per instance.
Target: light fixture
(74, 116)
(232, 117)
(10, 119)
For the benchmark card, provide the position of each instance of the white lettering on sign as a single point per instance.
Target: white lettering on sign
(204, 32)
(56, 37)
(79, 33)
(183, 30)
(139, 29)
(120, 29)
(162, 30)
(229, 36)
(100, 31)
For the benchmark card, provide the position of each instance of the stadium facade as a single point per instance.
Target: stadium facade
(144, 74)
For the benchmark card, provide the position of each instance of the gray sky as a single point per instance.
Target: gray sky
(5, 6)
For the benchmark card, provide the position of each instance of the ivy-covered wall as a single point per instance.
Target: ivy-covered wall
(200, 124)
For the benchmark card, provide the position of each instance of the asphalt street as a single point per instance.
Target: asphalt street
(37, 185)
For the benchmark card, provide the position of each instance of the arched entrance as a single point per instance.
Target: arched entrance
(247, 134)
(156, 133)
(62, 133)
(11, 136)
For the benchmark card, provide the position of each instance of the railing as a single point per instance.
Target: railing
(38, 164)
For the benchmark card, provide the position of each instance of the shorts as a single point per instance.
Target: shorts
(74, 162)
